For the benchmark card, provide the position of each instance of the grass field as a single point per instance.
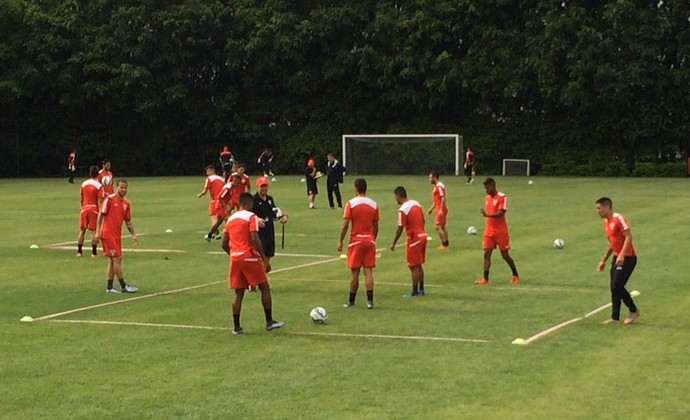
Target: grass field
(167, 352)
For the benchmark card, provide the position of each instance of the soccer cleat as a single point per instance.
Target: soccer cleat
(370, 304)
(422, 293)
(79, 255)
(207, 238)
(481, 282)
(274, 325)
(610, 321)
(237, 331)
(515, 280)
(349, 305)
(442, 247)
(111, 290)
(129, 289)
(94, 255)
(632, 316)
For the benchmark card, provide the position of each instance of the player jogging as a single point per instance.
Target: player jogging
(623, 263)
(213, 185)
(88, 218)
(228, 199)
(265, 159)
(411, 218)
(496, 233)
(363, 213)
(441, 207)
(248, 263)
(114, 211)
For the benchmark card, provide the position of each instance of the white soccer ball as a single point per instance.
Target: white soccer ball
(559, 243)
(107, 180)
(303, 180)
(318, 315)
(530, 182)
(471, 230)
(273, 179)
(277, 212)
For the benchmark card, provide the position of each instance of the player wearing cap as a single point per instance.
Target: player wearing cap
(311, 175)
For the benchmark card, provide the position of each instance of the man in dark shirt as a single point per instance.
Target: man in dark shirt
(334, 177)
(266, 209)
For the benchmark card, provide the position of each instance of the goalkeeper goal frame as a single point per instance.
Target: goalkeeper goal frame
(456, 138)
(523, 162)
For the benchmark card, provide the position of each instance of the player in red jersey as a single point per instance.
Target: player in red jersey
(624, 260)
(228, 199)
(115, 210)
(213, 186)
(411, 218)
(88, 218)
(496, 233)
(226, 161)
(106, 178)
(248, 263)
(441, 207)
(363, 213)
(72, 165)
(246, 181)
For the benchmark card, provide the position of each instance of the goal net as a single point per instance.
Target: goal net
(515, 167)
(402, 153)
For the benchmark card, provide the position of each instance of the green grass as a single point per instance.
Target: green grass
(586, 370)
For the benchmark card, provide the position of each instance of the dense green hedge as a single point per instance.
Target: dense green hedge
(642, 169)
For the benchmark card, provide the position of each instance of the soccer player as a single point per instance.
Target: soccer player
(213, 186)
(265, 159)
(469, 165)
(72, 165)
(310, 174)
(363, 213)
(229, 197)
(246, 180)
(115, 210)
(623, 263)
(248, 263)
(226, 160)
(496, 233)
(88, 219)
(441, 207)
(106, 177)
(334, 177)
(411, 218)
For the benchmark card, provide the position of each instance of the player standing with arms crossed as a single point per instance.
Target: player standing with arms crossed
(624, 260)
(496, 233)
(411, 218)
(363, 213)
(88, 218)
(213, 185)
(441, 207)
(114, 211)
(248, 263)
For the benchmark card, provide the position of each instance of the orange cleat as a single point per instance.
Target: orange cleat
(515, 280)
(631, 318)
(482, 282)
(442, 247)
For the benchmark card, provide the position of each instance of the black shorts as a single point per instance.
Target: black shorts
(312, 188)
(269, 245)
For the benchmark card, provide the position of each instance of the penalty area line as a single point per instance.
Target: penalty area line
(168, 292)
(322, 334)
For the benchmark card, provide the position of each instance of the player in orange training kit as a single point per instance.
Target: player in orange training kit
(411, 218)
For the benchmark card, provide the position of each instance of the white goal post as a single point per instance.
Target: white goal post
(516, 167)
(414, 146)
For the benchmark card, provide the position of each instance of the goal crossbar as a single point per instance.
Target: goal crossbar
(381, 138)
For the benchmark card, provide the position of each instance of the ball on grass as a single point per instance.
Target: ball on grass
(559, 243)
(168, 230)
(318, 315)
(471, 230)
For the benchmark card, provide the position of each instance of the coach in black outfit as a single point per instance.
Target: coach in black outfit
(334, 177)
(266, 209)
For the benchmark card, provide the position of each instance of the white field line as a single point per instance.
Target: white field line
(205, 327)
(548, 331)
(346, 280)
(116, 302)
(599, 309)
(280, 255)
(86, 240)
(178, 251)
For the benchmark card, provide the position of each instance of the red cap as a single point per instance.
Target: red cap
(261, 182)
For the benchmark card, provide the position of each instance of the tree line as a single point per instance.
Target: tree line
(160, 86)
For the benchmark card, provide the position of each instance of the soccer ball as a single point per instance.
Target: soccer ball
(471, 230)
(530, 182)
(559, 243)
(303, 180)
(318, 315)
(107, 180)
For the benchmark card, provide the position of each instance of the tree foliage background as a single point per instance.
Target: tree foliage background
(161, 86)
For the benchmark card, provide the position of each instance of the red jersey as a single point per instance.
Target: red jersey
(496, 225)
(363, 212)
(90, 193)
(246, 183)
(115, 210)
(469, 158)
(226, 193)
(107, 186)
(72, 159)
(411, 217)
(439, 196)
(214, 184)
(614, 227)
(239, 228)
